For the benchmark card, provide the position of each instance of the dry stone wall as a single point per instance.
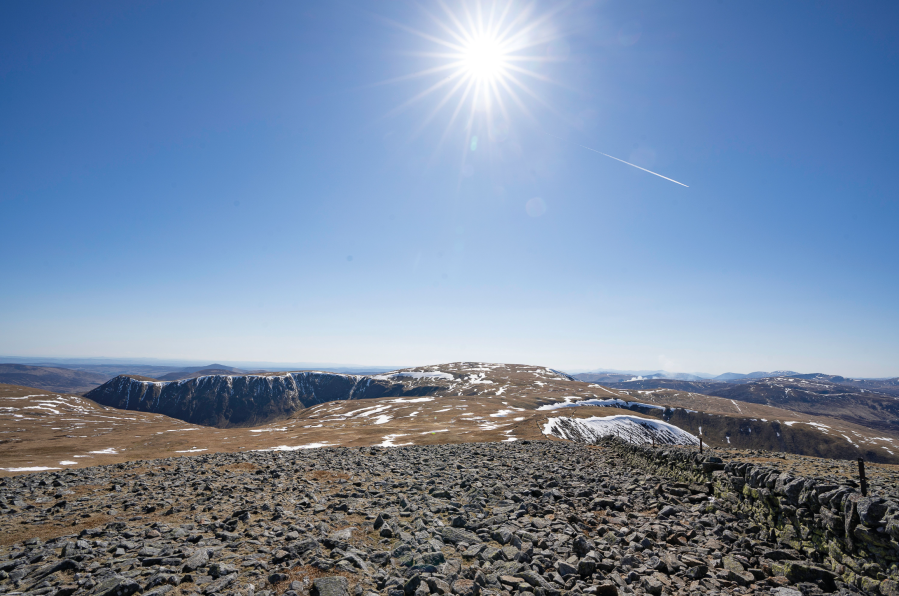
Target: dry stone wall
(829, 522)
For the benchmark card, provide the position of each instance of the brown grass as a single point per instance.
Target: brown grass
(242, 466)
(79, 490)
(329, 475)
(57, 528)
(51, 530)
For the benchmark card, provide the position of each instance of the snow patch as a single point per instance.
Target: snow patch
(388, 441)
(602, 403)
(415, 375)
(296, 447)
(632, 429)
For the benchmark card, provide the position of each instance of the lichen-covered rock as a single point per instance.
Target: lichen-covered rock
(454, 535)
(466, 587)
(116, 586)
(889, 587)
(330, 586)
(797, 571)
(871, 510)
(833, 522)
(792, 490)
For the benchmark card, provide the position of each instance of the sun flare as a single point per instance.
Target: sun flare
(488, 58)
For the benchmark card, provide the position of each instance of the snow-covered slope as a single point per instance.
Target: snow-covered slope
(632, 429)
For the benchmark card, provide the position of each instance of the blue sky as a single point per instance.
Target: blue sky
(240, 181)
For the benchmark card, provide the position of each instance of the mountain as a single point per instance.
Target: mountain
(221, 367)
(155, 367)
(111, 370)
(704, 387)
(809, 396)
(47, 378)
(618, 376)
(729, 377)
(763, 375)
(212, 370)
(604, 378)
(888, 386)
(609, 377)
(137, 417)
(470, 401)
(89, 377)
(814, 396)
(595, 375)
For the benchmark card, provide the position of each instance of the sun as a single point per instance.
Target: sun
(484, 59)
(487, 58)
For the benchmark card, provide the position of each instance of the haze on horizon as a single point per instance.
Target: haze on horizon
(232, 182)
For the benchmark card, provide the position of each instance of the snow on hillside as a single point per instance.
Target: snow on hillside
(415, 375)
(632, 429)
(602, 403)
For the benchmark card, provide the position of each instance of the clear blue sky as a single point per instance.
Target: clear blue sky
(240, 181)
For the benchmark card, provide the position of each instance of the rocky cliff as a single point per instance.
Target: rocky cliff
(248, 400)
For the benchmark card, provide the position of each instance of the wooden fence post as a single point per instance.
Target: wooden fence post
(861, 477)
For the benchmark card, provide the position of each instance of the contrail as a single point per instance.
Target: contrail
(636, 166)
(627, 162)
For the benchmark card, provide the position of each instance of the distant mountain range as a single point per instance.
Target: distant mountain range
(874, 404)
(47, 378)
(646, 374)
(810, 416)
(818, 415)
(80, 377)
(159, 366)
(619, 376)
(612, 376)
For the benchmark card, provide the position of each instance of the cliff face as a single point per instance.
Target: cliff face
(249, 400)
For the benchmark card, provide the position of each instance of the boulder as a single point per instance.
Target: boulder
(334, 585)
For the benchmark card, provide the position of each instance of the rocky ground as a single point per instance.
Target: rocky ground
(541, 518)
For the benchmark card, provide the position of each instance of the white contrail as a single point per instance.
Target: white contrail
(627, 162)
(636, 166)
